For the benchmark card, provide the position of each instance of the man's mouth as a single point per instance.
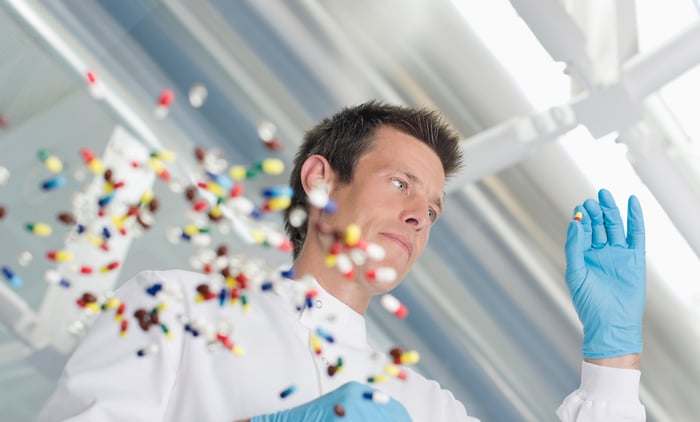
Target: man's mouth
(401, 241)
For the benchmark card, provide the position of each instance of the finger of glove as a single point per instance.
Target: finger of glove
(576, 242)
(614, 227)
(599, 237)
(635, 224)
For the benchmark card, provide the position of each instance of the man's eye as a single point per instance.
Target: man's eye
(432, 214)
(400, 185)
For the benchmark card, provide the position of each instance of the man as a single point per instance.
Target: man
(384, 167)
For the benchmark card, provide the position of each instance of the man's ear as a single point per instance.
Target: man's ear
(316, 169)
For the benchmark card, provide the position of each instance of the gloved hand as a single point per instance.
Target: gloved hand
(606, 276)
(346, 403)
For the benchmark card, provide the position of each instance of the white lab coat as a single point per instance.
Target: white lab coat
(105, 380)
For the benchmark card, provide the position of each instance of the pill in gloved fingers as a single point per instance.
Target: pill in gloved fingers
(339, 410)
(578, 216)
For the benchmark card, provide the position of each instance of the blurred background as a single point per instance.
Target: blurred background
(554, 99)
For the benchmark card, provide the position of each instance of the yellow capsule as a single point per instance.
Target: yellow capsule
(216, 189)
(216, 211)
(166, 155)
(330, 260)
(376, 378)
(238, 173)
(39, 229)
(258, 236)
(93, 307)
(60, 256)
(272, 166)
(53, 163)
(97, 241)
(191, 230)
(316, 344)
(352, 234)
(410, 357)
(157, 165)
(146, 197)
(161, 307)
(96, 166)
(392, 370)
(238, 350)
(279, 204)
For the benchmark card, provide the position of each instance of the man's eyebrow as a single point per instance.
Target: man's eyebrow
(414, 179)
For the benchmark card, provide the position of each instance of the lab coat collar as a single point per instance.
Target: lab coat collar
(342, 322)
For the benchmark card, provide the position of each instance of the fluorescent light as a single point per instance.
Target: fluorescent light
(541, 79)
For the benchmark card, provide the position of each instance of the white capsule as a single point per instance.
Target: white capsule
(24, 258)
(358, 256)
(4, 175)
(201, 239)
(343, 263)
(375, 252)
(385, 274)
(242, 205)
(173, 234)
(267, 130)
(197, 95)
(318, 197)
(297, 216)
(52, 276)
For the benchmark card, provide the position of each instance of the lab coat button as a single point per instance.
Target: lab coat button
(319, 304)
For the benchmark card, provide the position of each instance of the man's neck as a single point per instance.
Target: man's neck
(353, 293)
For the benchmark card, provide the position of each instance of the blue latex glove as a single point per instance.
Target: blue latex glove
(349, 397)
(606, 276)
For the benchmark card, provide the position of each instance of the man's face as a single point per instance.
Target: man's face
(395, 196)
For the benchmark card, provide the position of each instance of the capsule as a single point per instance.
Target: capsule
(345, 266)
(39, 229)
(325, 335)
(352, 234)
(59, 255)
(288, 391)
(123, 327)
(214, 188)
(393, 305)
(12, 278)
(278, 191)
(395, 371)
(381, 274)
(316, 344)
(159, 168)
(277, 204)
(150, 350)
(94, 85)
(165, 101)
(51, 162)
(376, 396)
(54, 277)
(54, 183)
(272, 166)
(318, 197)
(94, 163)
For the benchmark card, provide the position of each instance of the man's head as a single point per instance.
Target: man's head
(347, 135)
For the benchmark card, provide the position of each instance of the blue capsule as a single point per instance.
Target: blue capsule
(54, 182)
(278, 191)
(325, 335)
(11, 277)
(288, 391)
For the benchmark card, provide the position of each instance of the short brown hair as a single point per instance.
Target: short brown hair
(346, 136)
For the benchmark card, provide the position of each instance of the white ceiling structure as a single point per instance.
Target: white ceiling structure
(555, 99)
